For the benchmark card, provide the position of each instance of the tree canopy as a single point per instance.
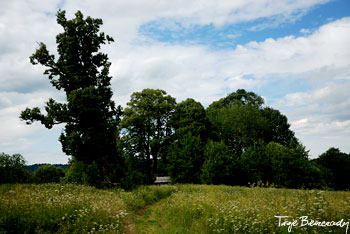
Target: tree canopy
(335, 167)
(12, 168)
(82, 72)
(146, 121)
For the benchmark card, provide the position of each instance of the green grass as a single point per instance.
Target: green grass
(152, 219)
(225, 209)
(55, 208)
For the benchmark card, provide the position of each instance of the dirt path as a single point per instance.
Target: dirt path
(149, 220)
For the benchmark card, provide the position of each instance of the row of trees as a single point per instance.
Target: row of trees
(329, 170)
(14, 170)
(234, 141)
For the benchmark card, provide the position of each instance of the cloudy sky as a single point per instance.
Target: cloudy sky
(294, 53)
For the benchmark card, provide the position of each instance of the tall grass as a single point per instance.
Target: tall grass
(55, 208)
(224, 209)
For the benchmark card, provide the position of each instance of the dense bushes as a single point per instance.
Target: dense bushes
(12, 169)
(278, 164)
(48, 174)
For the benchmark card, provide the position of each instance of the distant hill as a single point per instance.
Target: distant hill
(34, 167)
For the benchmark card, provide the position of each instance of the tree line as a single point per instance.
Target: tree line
(235, 140)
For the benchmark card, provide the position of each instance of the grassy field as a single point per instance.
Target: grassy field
(55, 208)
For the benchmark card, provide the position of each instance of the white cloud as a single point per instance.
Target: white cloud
(123, 18)
(305, 31)
(34, 142)
(330, 102)
(321, 118)
(327, 46)
(193, 70)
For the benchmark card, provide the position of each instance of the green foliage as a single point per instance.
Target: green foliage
(190, 117)
(289, 165)
(240, 121)
(277, 128)
(239, 126)
(76, 173)
(256, 164)
(35, 166)
(133, 176)
(146, 122)
(335, 168)
(237, 120)
(220, 166)
(185, 154)
(12, 169)
(90, 115)
(48, 174)
(261, 144)
(240, 97)
(186, 158)
(275, 163)
(81, 173)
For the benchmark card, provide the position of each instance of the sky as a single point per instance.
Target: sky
(293, 53)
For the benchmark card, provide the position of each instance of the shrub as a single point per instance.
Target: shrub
(82, 173)
(48, 174)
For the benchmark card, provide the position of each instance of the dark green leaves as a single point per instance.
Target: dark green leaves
(146, 121)
(90, 115)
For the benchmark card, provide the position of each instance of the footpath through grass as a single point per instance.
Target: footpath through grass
(226, 209)
(151, 219)
(54, 208)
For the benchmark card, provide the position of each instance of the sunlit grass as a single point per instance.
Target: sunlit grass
(55, 208)
(224, 209)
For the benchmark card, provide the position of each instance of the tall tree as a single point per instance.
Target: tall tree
(240, 120)
(237, 120)
(190, 117)
(186, 159)
(146, 121)
(185, 153)
(82, 72)
(277, 128)
(239, 126)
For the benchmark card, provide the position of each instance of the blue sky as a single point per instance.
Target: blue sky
(228, 36)
(295, 54)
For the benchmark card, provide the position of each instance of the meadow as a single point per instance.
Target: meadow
(68, 208)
